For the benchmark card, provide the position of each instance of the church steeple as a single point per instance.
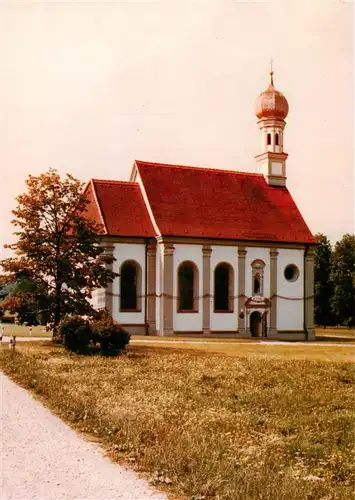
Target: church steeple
(271, 110)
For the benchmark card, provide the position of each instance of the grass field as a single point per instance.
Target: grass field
(24, 331)
(251, 422)
(313, 352)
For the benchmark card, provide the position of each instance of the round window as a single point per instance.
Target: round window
(291, 272)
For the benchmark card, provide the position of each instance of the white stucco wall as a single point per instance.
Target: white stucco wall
(254, 253)
(123, 252)
(290, 312)
(224, 321)
(98, 298)
(187, 321)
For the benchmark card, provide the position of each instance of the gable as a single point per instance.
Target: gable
(120, 207)
(93, 211)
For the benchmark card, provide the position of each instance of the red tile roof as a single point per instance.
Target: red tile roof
(208, 203)
(120, 207)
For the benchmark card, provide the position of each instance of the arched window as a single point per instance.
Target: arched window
(277, 139)
(258, 266)
(130, 286)
(187, 287)
(257, 284)
(268, 139)
(223, 288)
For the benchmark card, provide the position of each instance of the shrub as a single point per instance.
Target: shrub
(57, 339)
(76, 333)
(8, 319)
(110, 335)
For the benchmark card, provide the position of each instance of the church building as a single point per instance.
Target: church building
(209, 252)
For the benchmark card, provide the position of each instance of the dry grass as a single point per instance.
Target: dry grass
(252, 426)
(294, 351)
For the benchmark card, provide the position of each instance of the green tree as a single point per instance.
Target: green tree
(323, 286)
(343, 278)
(58, 246)
(6, 286)
(26, 297)
(24, 304)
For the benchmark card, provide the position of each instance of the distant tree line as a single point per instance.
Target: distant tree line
(334, 281)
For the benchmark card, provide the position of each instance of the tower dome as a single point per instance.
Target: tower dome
(271, 103)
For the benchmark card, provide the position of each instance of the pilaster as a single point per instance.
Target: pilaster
(273, 292)
(241, 291)
(309, 294)
(151, 288)
(167, 327)
(108, 252)
(206, 288)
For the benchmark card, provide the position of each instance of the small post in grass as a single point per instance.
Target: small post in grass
(12, 343)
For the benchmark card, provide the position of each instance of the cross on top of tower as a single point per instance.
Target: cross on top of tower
(271, 72)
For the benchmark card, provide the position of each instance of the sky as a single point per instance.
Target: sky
(87, 87)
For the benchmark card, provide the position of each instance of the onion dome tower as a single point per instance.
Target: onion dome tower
(271, 109)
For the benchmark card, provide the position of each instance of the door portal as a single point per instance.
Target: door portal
(255, 324)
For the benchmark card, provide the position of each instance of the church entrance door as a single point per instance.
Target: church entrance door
(255, 324)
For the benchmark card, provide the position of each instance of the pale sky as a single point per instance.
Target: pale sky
(88, 87)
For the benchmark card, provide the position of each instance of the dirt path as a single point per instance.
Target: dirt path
(43, 459)
(240, 342)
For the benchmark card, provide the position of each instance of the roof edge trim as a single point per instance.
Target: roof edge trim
(98, 206)
(146, 201)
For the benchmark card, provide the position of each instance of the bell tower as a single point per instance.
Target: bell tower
(271, 110)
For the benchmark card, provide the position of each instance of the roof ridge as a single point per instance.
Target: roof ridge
(208, 169)
(109, 181)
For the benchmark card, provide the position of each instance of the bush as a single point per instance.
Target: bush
(110, 335)
(8, 319)
(76, 333)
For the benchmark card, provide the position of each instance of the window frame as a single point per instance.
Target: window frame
(230, 288)
(258, 267)
(296, 273)
(138, 278)
(195, 288)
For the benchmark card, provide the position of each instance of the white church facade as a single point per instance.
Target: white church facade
(208, 252)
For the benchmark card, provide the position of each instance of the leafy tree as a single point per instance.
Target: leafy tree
(323, 286)
(343, 278)
(6, 286)
(22, 295)
(24, 304)
(58, 246)
(28, 299)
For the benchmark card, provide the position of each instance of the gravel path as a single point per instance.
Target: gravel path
(43, 459)
(184, 341)
(261, 342)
